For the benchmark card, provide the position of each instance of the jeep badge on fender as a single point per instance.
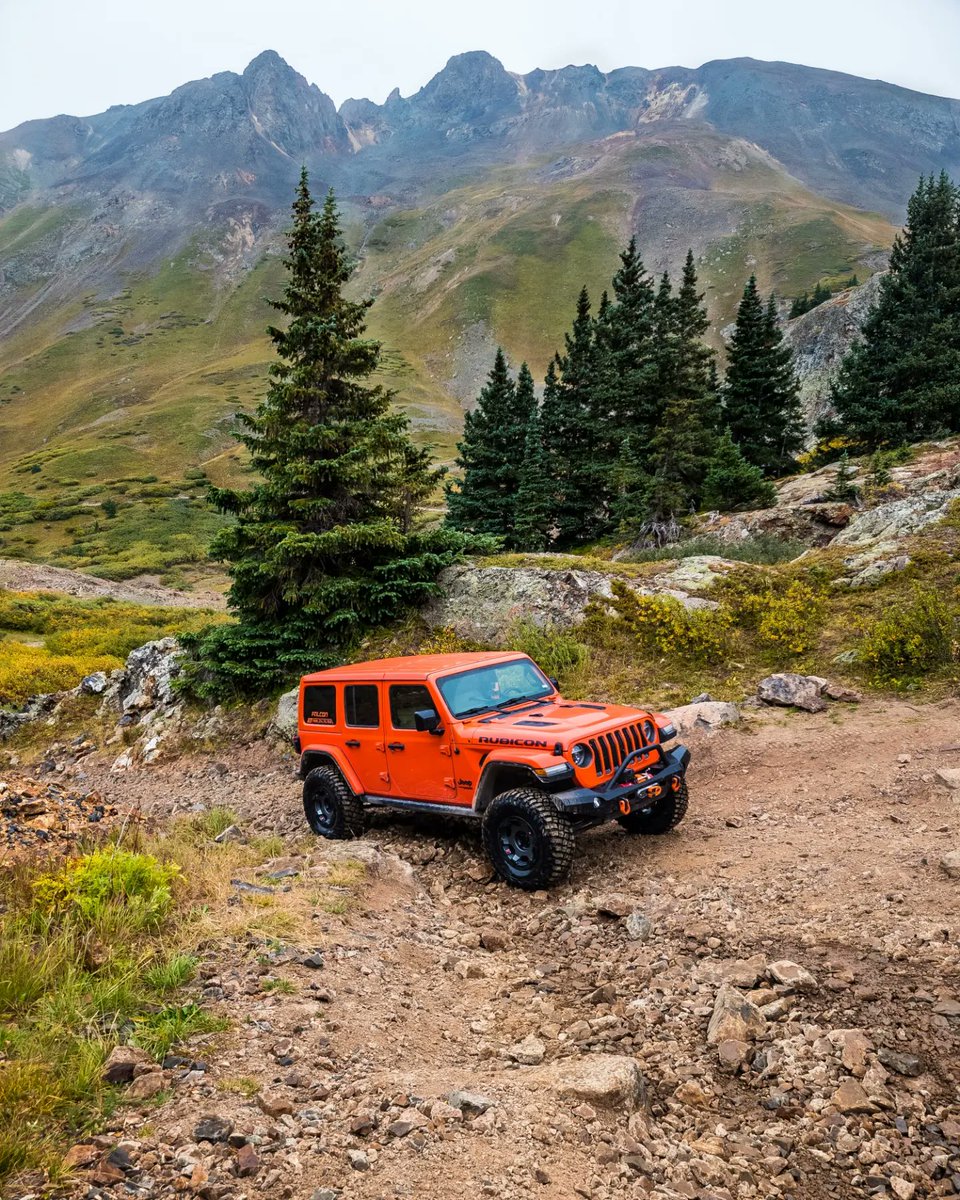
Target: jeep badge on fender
(534, 767)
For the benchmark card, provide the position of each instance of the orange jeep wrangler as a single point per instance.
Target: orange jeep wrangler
(488, 736)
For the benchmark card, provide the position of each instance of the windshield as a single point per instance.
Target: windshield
(484, 688)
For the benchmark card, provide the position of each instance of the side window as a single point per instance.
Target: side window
(405, 700)
(361, 705)
(320, 704)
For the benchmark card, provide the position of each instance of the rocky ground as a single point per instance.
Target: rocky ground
(20, 576)
(764, 1003)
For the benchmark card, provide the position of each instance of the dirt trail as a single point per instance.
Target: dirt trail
(815, 839)
(22, 576)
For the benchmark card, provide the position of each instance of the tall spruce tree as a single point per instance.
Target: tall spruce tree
(320, 548)
(900, 381)
(625, 336)
(571, 437)
(491, 455)
(761, 392)
(535, 503)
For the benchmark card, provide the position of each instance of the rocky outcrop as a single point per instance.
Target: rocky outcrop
(481, 603)
(821, 338)
(889, 523)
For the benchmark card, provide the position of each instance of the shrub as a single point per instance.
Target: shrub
(910, 640)
(85, 889)
(662, 625)
(557, 652)
(761, 549)
(784, 615)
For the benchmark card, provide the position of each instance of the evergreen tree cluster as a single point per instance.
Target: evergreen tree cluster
(634, 429)
(807, 302)
(900, 381)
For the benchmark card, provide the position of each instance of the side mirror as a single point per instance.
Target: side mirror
(554, 681)
(427, 720)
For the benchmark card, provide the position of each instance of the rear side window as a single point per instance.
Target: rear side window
(405, 700)
(361, 705)
(320, 704)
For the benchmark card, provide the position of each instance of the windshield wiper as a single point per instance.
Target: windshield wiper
(472, 712)
(522, 700)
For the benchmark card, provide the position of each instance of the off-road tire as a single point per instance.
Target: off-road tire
(332, 810)
(665, 815)
(529, 843)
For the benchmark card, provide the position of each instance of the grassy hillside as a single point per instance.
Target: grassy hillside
(116, 399)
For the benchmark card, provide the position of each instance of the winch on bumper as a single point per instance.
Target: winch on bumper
(629, 790)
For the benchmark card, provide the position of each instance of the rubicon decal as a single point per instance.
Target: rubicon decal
(507, 741)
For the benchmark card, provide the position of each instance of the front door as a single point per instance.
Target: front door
(421, 765)
(364, 736)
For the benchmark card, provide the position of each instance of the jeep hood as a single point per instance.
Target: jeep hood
(563, 721)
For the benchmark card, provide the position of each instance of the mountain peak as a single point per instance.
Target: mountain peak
(267, 61)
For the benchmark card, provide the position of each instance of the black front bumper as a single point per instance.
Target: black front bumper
(627, 791)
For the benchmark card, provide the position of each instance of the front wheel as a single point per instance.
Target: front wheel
(528, 842)
(332, 810)
(662, 816)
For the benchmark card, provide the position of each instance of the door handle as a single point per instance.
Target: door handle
(353, 744)
(396, 746)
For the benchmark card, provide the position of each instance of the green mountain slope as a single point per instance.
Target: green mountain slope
(115, 412)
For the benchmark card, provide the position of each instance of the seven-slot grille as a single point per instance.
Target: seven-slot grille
(610, 749)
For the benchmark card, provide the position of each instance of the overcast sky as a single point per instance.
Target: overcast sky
(81, 56)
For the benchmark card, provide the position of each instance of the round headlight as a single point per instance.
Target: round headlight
(649, 731)
(582, 755)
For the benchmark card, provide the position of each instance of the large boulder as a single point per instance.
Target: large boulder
(148, 677)
(705, 715)
(481, 603)
(889, 523)
(793, 691)
(285, 719)
(611, 1080)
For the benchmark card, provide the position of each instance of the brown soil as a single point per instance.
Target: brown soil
(811, 838)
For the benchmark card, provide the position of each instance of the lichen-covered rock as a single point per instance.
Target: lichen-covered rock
(705, 715)
(148, 676)
(481, 603)
(793, 691)
(889, 523)
(285, 720)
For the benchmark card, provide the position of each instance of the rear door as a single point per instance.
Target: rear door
(421, 764)
(363, 735)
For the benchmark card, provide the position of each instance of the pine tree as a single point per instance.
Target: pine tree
(491, 455)
(900, 382)
(571, 437)
(534, 510)
(821, 294)
(320, 548)
(761, 404)
(625, 333)
(733, 484)
(844, 487)
(800, 306)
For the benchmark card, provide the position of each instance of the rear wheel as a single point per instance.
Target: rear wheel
(528, 842)
(662, 816)
(332, 810)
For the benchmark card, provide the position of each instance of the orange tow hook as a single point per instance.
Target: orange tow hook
(625, 807)
(675, 783)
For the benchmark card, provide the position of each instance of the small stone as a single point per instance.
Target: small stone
(610, 1080)
(949, 776)
(900, 1062)
(80, 1156)
(274, 1106)
(411, 1120)
(358, 1159)
(950, 864)
(792, 975)
(363, 1123)
(792, 691)
(903, 1189)
(854, 1050)
(232, 833)
(121, 1062)
(903, 759)
(529, 1052)
(325, 1194)
(948, 1007)
(733, 1054)
(145, 1087)
(614, 904)
(313, 961)
(212, 1129)
(734, 1018)
(638, 927)
(247, 1162)
(470, 1102)
(493, 939)
(851, 1098)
